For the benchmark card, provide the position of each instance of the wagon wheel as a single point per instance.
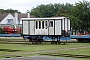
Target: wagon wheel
(56, 42)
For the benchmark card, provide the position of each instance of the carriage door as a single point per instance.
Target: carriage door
(51, 27)
(44, 26)
(41, 27)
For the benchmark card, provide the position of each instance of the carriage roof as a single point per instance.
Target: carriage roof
(52, 18)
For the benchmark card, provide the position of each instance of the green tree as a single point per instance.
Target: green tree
(82, 12)
(64, 10)
(51, 10)
(2, 11)
(43, 10)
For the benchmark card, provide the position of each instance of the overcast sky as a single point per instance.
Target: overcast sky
(24, 5)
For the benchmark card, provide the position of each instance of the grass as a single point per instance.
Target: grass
(19, 47)
(77, 51)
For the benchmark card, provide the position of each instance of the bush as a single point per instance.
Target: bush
(1, 30)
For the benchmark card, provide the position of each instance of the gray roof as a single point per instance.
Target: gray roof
(20, 15)
(2, 16)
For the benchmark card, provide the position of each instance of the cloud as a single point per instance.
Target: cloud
(9, 3)
(14, 4)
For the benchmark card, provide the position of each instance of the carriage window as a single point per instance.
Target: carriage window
(36, 24)
(51, 24)
(42, 24)
(46, 24)
(39, 24)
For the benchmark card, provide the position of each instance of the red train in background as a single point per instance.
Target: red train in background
(11, 30)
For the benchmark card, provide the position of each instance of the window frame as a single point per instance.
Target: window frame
(39, 24)
(43, 25)
(50, 23)
(9, 21)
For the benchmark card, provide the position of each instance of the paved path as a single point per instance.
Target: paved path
(39, 58)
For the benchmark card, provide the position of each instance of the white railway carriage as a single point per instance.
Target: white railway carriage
(37, 28)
